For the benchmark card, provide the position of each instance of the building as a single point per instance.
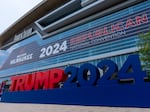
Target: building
(60, 33)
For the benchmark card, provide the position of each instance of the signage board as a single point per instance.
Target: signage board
(23, 35)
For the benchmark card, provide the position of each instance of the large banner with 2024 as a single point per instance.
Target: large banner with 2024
(125, 26)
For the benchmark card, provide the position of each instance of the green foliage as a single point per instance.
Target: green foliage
(144, 50)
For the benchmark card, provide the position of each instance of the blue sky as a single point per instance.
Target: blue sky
(12, 10)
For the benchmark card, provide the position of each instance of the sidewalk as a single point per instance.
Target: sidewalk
(7, 107)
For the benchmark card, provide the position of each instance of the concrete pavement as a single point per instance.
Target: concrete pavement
(10, 107)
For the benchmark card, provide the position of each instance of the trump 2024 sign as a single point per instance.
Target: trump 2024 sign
(87, 85)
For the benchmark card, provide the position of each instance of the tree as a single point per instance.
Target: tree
(144, 51)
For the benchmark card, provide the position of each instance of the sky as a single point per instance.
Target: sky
(12, 10)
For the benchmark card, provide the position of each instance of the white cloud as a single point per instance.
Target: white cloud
(11, 10)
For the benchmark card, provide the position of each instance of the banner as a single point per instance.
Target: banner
(121, 27)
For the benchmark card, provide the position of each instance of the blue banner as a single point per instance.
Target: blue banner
(125, 24)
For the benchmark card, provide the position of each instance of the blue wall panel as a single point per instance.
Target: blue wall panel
(114, 95)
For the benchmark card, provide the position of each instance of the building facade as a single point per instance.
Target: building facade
(57, 34)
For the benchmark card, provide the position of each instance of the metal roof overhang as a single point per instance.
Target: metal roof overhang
(95, 10)
(99, 5)
(61, 12)
(95, 7)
